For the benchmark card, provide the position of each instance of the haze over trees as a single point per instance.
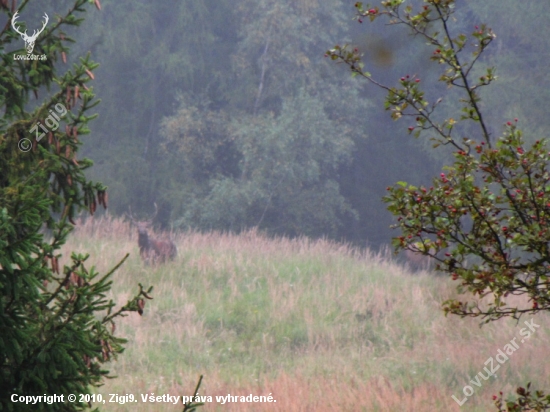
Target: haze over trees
(191, 90)
(240, 122)
(484, 219)
(57, 323)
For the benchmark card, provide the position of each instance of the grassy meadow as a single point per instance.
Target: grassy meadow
(318, 325)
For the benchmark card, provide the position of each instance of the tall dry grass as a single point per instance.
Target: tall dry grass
(319, 325)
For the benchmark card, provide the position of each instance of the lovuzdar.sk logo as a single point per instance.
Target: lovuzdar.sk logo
(29, 40)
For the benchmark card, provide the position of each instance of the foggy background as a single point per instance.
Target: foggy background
(228, 116)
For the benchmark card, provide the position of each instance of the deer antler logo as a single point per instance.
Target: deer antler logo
(29, 40)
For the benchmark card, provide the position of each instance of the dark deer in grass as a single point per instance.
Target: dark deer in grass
(417, 261)
(152, 250)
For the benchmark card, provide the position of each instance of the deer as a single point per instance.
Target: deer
(418, 261)
(152, 250)
(29, 40)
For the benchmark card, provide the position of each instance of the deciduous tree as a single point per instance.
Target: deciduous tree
(485, 218)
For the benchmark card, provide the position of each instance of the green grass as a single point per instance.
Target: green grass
(318, 324)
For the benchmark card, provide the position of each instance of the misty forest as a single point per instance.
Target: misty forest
(245, 153)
